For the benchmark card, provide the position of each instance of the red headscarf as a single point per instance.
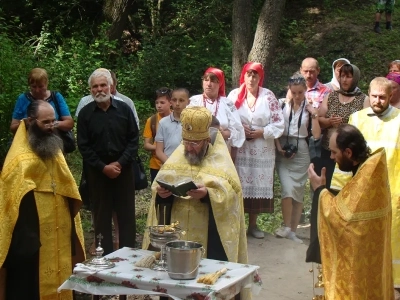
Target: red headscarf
(221, 79)
(257, 67)
(394, 77)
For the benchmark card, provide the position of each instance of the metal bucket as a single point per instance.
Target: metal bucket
(183, 259)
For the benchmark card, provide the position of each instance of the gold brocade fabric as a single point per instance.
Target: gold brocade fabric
(53, 184)
(219, 175)
(354, 230)
(382, 132)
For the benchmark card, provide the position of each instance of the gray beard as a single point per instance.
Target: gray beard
(196, 159)
(45, 145)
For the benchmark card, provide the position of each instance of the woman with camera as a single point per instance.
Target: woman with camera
(262, 120)
(293, 157)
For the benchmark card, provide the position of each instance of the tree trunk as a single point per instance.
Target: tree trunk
(117, 12)
(267, 31)
(241, 36)
(155, 10)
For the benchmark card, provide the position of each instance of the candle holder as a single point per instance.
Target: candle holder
(98, 261)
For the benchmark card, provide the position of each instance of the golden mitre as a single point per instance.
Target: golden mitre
(196, 121)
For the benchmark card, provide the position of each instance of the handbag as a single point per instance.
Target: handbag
(68, 140)
(141, 181)
(314, 147)
(68, 137)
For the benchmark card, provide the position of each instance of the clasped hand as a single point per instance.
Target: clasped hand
(252, 133)
(335, 121)
(112, 170)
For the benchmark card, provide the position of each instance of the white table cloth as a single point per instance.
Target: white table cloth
(127, 279)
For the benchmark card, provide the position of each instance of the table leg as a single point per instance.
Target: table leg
(95, 297)
(122, 297)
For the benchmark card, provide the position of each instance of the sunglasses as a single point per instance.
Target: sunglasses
(160, 92)
(297, 80)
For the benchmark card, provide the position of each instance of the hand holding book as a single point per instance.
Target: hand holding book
(178, 189)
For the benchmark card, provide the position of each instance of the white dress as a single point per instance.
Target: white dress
(227, 116)
(255, 160)
(293, 172)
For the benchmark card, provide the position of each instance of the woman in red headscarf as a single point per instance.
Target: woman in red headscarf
(262, 119)
(213, 98)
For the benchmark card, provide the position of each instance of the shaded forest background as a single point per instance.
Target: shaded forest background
(153, 43)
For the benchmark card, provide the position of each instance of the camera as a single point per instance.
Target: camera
(290, 149)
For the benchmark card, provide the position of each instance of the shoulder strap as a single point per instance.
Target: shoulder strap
(56, 104)
(309, 124)
(29, 96)
(153, 125)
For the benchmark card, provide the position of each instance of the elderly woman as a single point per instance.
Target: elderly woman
(213, 98)
(38, 81)
(263, 122)
(336, 109)
(336, 66)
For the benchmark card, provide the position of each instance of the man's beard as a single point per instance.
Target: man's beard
(379, 108)
(101, 97)
(346, 165)
(45, 144)
(196, 158)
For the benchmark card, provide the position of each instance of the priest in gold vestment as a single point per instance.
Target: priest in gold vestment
(380, 125)
(212, 214)
(354, 227)
(40, 232)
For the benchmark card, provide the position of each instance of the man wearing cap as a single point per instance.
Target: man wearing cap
(213, 213)
(380, 126)
(394, 78)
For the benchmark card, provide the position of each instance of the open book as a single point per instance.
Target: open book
(179, 188)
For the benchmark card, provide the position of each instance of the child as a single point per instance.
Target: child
(169, 133)
(163, 106)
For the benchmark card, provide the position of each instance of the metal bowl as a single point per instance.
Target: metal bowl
(159, 239)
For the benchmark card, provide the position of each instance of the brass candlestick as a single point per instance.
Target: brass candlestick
(319, 284)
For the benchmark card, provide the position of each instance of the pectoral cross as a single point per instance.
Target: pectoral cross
(53, 187)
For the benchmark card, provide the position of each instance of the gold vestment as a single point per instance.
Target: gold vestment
(219, 175)
(382, 131)
(54, 188)
(354, 230)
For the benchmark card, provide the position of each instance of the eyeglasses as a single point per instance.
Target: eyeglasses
(192, 144)
(48, 124)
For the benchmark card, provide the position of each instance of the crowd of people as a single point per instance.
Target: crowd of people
(230, 147)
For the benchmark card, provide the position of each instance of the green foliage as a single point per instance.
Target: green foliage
(14, 65)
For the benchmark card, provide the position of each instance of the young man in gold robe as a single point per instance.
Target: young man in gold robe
(380, 125)
(213, 213)
(354, 227)
(41, 236)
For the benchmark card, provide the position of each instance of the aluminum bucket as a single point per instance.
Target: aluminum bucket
(183, 259)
